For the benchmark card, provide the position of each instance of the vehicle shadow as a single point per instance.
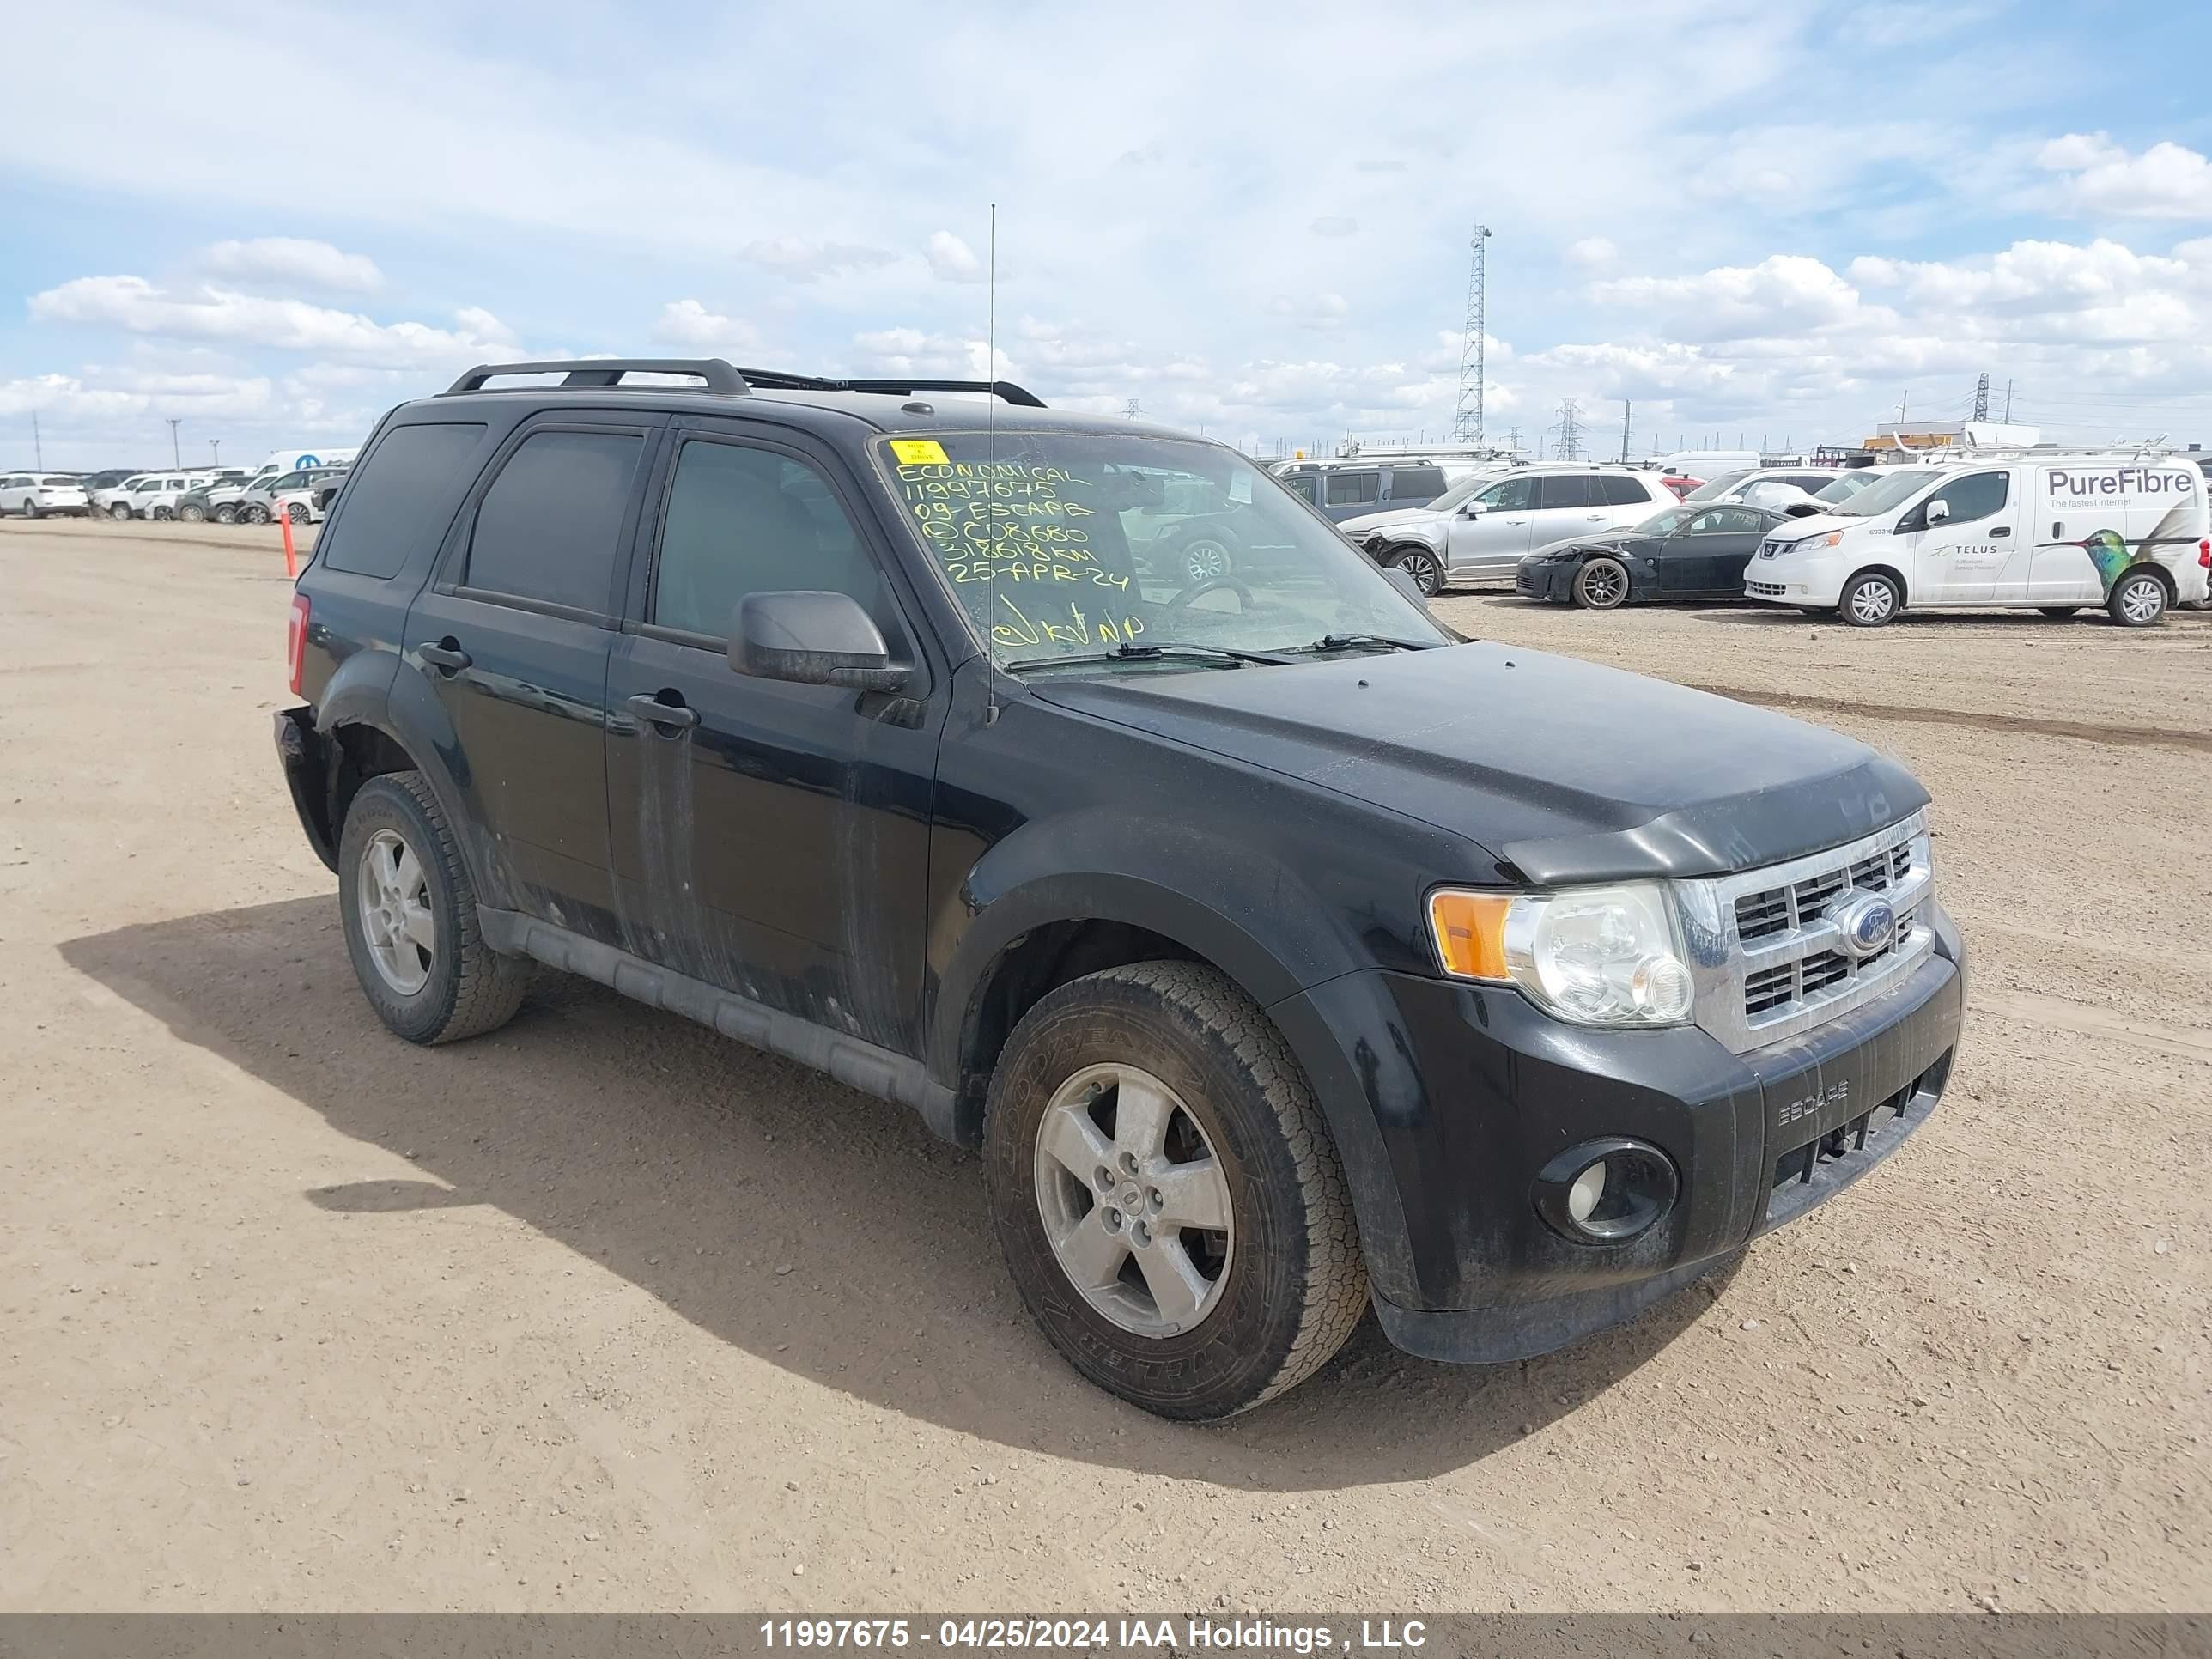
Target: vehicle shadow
(821, 1229)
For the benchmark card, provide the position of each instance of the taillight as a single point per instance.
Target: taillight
(2204, 553)
(296, 638)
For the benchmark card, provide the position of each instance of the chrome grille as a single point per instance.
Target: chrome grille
(1770, 960)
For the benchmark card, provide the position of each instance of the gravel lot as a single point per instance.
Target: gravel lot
(606, 1312)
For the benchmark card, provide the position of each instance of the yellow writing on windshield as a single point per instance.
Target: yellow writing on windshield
(1073, 627)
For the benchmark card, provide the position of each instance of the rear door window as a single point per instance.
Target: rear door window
(1415, 486)
(1615, 490)
(1353, 488)
(547, 530)
(405, 496)
(1556, 489)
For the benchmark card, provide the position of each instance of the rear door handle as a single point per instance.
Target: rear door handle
(678, 716)
(450, 658)
(1595, 517)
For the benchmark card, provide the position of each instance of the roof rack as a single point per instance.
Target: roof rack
(718, 375)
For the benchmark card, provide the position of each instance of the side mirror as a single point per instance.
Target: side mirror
(811, 639)
(1473, 509)
(1938, 511)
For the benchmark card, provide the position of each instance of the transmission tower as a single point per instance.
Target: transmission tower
(1513, 440)
(1467, 419)
(1131, 409)
(1570, 429)
(1982, 397)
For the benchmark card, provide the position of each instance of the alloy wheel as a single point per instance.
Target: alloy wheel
(394, 896)
(1427, 576)
(1134, 1200)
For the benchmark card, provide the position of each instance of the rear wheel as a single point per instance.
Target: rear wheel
(2138, 599)
(296, 512)
(1169, 1201)
(192, 513)
(163, 514)
(1871, 599)
(409, 914)
(226, 514)
(253, 513)
(30, 507)
(1423, 566)
(1601, 584)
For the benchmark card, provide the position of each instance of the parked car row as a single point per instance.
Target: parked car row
(227, 496)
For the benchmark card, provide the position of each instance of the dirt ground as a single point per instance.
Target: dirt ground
(605, 1311)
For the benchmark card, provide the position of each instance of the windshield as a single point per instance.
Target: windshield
(1459, 492)
(1847, 485)
(1663, 524)
(1713, 487)
(1896, 486)
(1068, 545)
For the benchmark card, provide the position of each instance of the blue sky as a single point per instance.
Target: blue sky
(273, 225)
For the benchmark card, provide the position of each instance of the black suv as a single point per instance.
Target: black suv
(1284, 953)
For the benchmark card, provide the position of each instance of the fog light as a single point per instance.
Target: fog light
(1605, 1191)
(1588, 1187)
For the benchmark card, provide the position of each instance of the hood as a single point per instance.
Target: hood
(1383, 520)
(1813, 524)
(1562, 770)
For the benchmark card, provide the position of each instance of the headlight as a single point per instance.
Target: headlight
(1596, 956)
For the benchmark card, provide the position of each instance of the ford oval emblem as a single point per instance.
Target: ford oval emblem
(1867, 923)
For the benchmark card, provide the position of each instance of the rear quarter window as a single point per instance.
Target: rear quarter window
(404, 495)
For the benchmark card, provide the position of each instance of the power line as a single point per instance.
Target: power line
(1466, 417)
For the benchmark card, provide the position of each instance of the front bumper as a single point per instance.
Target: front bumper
(1471, 1091)
(1532, 581)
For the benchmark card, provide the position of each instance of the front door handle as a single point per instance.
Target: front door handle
(2000, 530)
(448, 658)
(677, 716)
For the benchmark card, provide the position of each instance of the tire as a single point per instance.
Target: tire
(466, 988)
(2061, 611)
(2139, 599)
(119, 510)
(296, 512)
(1423, 566)
(1601, 585)
(193, 513)
(253, 513)
(226, 514)
(31, 509)
(160, 513)
(1871, 600)
(1289, 1284)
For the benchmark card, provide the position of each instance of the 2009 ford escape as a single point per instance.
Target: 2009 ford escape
(1284, 954)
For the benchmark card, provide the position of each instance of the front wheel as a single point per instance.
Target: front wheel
(1169, 1201)
(226, 514)
(1870, 599)
(410, 914)
(1601, 585)
(2138, 599)
(255, 513)
(296, 512)
(192, 513)
(120, 510)
(30, 507)
(1423, 567)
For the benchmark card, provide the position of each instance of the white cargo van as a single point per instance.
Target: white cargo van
(2051, 530)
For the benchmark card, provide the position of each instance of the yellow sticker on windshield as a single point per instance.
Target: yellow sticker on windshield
(919, 452)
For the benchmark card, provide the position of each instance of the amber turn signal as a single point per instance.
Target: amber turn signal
(1469, 929)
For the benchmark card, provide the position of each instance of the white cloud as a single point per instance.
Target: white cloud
(1593, 253)
(953, 259)
(138, 306)
(1335, 225)
(292, 262)
(2104, 181)
(688, 323)
(1322, 312)
(1783, 293)
(803, 260)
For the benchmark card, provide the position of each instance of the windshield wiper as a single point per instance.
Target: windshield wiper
(1150, 653)
(1348, 642)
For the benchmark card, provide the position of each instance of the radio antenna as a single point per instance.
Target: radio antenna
(990, 442)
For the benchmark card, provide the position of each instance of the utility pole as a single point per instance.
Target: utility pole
(176, 455)
(1569, 430)
(38, 447)
(2008, 402)
(1982, 397)
(214, 452)
(1626, 410)
(1467, 416)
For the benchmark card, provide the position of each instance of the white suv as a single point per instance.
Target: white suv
(34, 495)
(1487, 533)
